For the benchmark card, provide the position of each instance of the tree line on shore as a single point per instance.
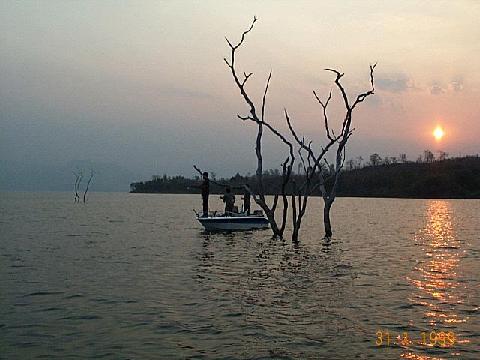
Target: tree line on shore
(438, 178)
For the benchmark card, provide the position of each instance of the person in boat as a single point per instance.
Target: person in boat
(246, 200)
(205, 193)
(205, 188)
(229, 200)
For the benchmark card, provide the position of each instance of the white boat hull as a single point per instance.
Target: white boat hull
(233, 223)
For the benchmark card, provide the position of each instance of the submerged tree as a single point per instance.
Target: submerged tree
(341, 141)
(316, 174)
(78, 181)
(316, 165)
(259, 119)
(87, 186)
(76, 187)
(330, 173)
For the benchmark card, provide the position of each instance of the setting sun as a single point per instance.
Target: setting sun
(438, 133)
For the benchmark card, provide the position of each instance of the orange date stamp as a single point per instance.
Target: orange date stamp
(444, 339)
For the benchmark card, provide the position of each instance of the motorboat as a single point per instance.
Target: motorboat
(233, 221)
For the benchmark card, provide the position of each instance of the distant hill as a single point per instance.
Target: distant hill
(451, 178)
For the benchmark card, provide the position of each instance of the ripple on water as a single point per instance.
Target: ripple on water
(43, 293)
(82, 317)
(74, 296)
(135, 288)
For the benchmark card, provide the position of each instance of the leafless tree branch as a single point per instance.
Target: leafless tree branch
(78, 180)
(88, 186)
(261, 123)
(325, 117)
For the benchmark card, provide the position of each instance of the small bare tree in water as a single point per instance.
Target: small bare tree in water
(87, 186)
(76, 187)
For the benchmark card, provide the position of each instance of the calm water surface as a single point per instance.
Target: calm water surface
(134, 277)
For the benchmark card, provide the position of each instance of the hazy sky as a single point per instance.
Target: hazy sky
(142, 84)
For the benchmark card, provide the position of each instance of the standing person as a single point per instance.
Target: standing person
(205, 187)
(229, 200)
(246, 200)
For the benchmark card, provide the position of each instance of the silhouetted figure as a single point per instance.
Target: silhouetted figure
(229, 200)
(246, 200)
(205, 187)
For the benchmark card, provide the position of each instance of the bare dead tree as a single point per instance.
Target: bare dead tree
(314, 165)
(287, 165)
(332, 172)
(311, 167)
(341, 141)
(87, 186)
(78, 180)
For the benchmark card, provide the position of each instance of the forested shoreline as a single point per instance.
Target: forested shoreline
(447, 178)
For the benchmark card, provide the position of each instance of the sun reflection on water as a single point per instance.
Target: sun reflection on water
(435, 277)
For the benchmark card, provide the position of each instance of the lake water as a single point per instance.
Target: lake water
(132, 276)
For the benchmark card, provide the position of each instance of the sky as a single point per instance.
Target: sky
(141, 86)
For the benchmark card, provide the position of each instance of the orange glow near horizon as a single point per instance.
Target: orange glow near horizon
(438, 133)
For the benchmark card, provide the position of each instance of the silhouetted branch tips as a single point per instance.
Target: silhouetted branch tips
(330, 134)
(243, 36)
(361, 97)
(290, 127)
(245, 118)
(372, 69)
(247, 31)
(265, 95)
(336, 72)
(340, 87)
(245, 78)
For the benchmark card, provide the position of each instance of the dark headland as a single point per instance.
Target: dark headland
(445, 179)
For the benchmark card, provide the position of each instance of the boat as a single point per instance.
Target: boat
(233, 221)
